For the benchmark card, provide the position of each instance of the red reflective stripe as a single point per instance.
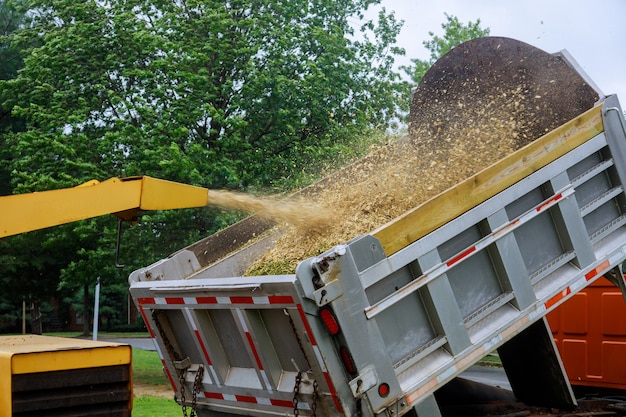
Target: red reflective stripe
(553, 199)
(333, 393)
(242, 300)
(206, 300)
(213, 395)
(204, 351)
(306, 325)
(461, 256)
(254, 351)
(281, 299)
(246, 399)
(145, 320)
(329, 382)
(174, 300)
(595, 271)
(146, 300)
(281, 403)
(552, 301)
(169, 376)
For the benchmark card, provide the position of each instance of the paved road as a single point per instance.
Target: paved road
(143, 343)
(488, 375)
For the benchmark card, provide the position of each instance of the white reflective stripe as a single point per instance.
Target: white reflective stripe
(190, 319)
(223, 300)
(261, 300)
(263, 401)
(538, 312)
(158, 348)
(266, 381)
(242, 320)
(617, 257)
(318, 356)
(490, 344)
(214, 376)
(229, 397)
(578, 285)
(451, 371)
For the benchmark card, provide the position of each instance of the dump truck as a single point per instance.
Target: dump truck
(382, 323)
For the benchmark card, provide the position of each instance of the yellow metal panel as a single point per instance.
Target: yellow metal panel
(26, 212)
(28, 363)
(473, 191)
(158, 194)
(6, 396)
(32, 353)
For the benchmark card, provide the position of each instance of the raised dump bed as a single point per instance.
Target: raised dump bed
(378, 324)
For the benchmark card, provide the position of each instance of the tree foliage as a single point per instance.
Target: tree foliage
(245, 94)
(10, 61)
(237, 94)
(217, 94)
(11, 19)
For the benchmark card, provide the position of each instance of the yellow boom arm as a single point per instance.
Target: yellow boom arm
(22, 213)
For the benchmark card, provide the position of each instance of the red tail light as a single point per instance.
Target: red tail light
(346, 357)
(329, 320)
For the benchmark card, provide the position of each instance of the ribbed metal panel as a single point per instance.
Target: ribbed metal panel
(101, 391)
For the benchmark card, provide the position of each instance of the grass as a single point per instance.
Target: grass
(147, 370)
(492, 360)
(153, 406)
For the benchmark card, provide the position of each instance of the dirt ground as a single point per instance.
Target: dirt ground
(145, 390)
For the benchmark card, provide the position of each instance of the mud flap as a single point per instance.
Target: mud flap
(535, 370)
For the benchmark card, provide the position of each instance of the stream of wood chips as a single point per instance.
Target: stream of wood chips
(388, 182)
(484, 101)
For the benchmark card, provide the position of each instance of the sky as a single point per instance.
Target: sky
(593, 32)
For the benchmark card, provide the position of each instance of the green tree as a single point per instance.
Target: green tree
(454, 34)
(10, 61)
(25, 268)
(238, 94)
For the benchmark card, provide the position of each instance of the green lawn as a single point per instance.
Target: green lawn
(147, 370)
(153, 406)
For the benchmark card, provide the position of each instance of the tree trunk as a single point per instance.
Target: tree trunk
(35, 317)
(86, 310)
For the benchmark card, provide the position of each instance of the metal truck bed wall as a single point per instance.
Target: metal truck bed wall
(415, 303)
